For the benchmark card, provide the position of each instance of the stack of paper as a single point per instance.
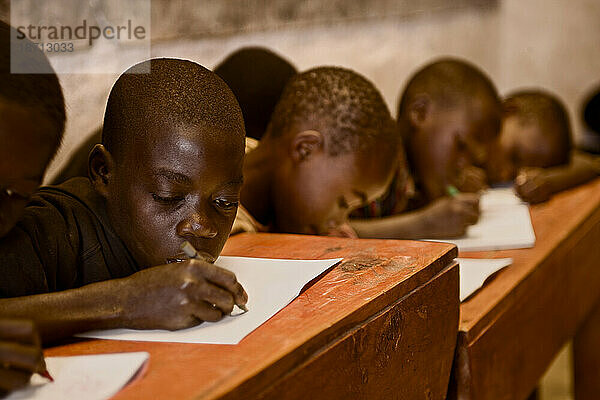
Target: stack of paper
(271, 284)
(504, 223)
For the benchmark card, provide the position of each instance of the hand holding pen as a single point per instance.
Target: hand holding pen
(191, 252)
(20, 354)
(178, 295)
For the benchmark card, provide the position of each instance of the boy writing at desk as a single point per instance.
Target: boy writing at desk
(94, 253)
(330, 147)
(448, 116)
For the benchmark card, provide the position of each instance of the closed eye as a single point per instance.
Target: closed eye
(167, 200)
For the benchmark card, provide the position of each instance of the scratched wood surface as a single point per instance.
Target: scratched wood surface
(512, 328)
(384, 318)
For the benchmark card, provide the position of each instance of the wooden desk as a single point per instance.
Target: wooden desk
(512, 329)
(380, 325)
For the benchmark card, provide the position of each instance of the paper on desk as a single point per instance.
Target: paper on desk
(271, 284)
(95, 377)
(504, 223)
(474, 271)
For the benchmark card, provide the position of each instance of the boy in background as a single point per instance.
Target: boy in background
(535, 148)
(330, 147)
(448, 116)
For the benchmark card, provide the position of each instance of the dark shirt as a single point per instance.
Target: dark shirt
(63, 241)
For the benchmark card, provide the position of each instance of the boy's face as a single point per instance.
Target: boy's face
(316, 195)
(521, 144)
(452, 140)
(177, 184)
(26, 149)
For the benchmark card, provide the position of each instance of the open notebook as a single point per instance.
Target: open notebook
(95, 377)
(271, 284)
(504, 223)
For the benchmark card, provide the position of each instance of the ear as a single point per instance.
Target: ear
(305, 144)
(419, 108)
(100, 168)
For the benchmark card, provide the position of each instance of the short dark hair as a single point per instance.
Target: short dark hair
(546, 110)
(339, 103)
(448, 81)
(165, 90)
(257, 77)
(40, 91)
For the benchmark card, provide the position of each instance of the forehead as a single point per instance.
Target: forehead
(368, 171)
(26, 142)
(189, 148)
(485, 116)
(528, 140)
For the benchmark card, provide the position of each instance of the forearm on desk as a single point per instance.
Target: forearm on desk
(582, 168)
(61, 314)
(409, 225)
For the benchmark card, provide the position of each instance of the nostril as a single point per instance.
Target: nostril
(195, 228)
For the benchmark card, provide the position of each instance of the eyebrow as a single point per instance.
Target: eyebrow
(173, 176)
(363, 197)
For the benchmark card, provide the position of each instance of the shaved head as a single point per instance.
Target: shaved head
(168, 94)
(545, 111)
(257, 76)
(448, 81)
(341, 104)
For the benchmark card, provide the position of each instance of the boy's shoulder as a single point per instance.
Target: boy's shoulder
(73, 203)
(75, 192)
(64, 240)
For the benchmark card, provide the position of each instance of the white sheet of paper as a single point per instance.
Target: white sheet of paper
(271, 284)
(95, 377)
(504, 223)
(474, 271)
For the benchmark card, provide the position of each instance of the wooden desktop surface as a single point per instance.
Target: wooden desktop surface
(511, 330)
(380, 325)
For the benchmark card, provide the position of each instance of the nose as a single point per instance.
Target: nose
(197, 226)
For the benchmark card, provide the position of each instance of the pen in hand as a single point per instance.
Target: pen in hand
(191, 252)
(452, 191)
